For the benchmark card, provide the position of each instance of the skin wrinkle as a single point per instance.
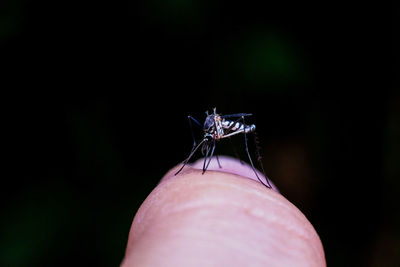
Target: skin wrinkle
(165, 202)
(257, 256)
(202, 243)
(217, 240)
(213, 181)
(228, 241)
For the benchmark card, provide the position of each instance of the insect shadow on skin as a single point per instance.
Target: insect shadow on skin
(217, 127)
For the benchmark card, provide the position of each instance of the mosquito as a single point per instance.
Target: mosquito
(217, 127)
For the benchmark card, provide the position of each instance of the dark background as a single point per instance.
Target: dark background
(95, 102)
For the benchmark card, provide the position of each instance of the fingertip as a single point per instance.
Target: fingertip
(234, 166)
(219, 219)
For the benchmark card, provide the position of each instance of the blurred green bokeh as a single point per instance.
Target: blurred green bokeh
(10, 18)
(119, 84)
(175, 15)
(266, 61)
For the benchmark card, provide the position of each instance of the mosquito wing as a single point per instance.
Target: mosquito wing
(237, 115)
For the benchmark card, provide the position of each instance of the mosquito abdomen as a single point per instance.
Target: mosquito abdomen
(234, 126)
(250, 128)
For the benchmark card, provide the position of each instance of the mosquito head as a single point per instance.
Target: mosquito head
(208, 123)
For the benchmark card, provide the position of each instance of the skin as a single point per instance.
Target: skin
(225, 217)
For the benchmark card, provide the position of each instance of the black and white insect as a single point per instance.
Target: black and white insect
(217, 127)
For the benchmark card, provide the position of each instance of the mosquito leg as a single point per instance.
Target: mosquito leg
(219, 164)
(259, 158)
(190, 118)
(196, 121)
(251, 162)
(216, 155)
(211, 155)
(190, 155)
(205, 159)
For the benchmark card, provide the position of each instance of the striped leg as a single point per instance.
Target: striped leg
(251, 162)
(259, 158)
